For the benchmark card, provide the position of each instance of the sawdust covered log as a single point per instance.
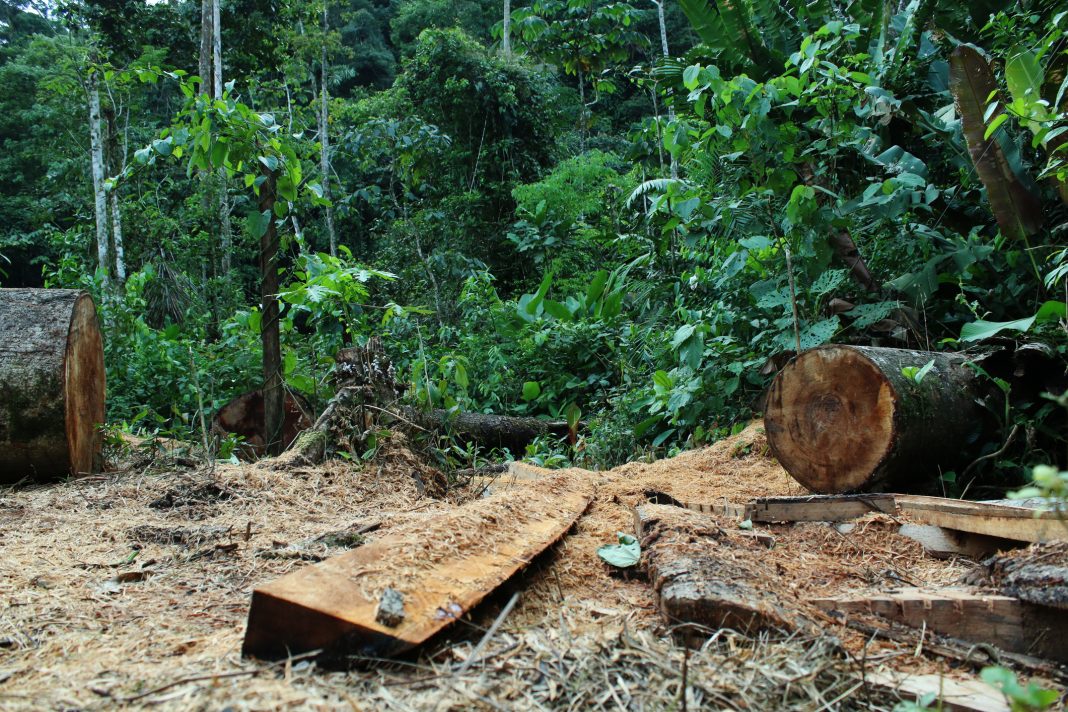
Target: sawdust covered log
(854, 418)
(397, 592)
(51, 384)
(244, 416)
(708, 577)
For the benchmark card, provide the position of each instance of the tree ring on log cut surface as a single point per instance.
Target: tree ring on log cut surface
(837, 419)
(853, 418)
(84, 383)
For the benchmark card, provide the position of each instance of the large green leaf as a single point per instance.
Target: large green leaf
(979, 329)
(623, 555)
(1016, 209)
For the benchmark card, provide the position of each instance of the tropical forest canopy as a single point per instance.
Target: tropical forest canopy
(625, 213)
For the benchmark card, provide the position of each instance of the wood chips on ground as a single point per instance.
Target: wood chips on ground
(133, 588)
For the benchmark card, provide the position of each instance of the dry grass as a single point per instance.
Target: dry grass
(133, 589)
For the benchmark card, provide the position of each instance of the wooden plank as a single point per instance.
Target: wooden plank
(442, 567)
(944, 543)
(966, 614)
(818, 508)
(998, 520)
(722, 508)
(955, 695)
(709, 577)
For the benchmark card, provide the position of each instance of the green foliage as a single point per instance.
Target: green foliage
(624, 555)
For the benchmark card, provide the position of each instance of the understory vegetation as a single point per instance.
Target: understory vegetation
(626, 213)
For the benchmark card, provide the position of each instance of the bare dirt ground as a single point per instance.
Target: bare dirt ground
(132, 589)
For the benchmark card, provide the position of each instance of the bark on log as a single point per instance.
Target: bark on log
(487, 429)
(51, 384)
(244, 416)
(847, 419)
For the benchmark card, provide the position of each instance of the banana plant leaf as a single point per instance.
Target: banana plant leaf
(1017, 210)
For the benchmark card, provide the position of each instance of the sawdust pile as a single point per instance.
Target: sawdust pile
(134, 588)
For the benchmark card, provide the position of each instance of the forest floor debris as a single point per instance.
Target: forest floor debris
(105, 599)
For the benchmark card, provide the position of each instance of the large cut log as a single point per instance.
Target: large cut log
(395, 593)
(855, 418)
(51, 384)
(244, 416)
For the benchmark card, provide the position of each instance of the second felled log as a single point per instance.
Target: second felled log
(51, 384)
(854, 418)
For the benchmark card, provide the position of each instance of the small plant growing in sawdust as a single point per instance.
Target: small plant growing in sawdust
(1029, 698)
(623, 555)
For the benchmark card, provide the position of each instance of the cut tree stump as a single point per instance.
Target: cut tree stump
(441, 568)
(969, 615)
(847, 418)
(244, 416)
(708, 577)
(52, 384)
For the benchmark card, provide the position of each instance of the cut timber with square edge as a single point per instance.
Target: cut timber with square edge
(442, 567)
(818, 508)
(969, 615)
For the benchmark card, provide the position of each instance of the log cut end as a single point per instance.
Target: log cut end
(84, 384)
(830, 419)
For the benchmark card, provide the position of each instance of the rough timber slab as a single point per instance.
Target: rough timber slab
(818, 508)
(997, 520)
(442, 568)
(701, 573)
(969, 615)
(991, 520)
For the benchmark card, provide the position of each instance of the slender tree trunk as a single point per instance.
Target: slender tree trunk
(273, 393)
(506, 39)
(96, 148)
(324, 136)
(223, 207)
(216, 49)
(582, 110)
(116, 162)
(664, 48)
(206, 34)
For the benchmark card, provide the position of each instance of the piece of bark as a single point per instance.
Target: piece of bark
(1038, 574)
(443, 567)
(52, 384)
(848, 418)
(709, 577)
(966, 614)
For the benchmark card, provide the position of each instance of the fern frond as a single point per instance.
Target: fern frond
(655, 185)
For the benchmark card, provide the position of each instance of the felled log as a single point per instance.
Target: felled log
(855, 418)
(244, 416)
(709, 577)
(486, 429)
(52, 384)
(395, 593)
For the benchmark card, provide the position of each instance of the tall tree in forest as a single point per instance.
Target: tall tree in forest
(96, 153)
(116, 162)
(666, 53)
(506, 31)
(324, 128)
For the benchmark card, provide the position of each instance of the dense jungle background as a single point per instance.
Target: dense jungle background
(625, 214)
